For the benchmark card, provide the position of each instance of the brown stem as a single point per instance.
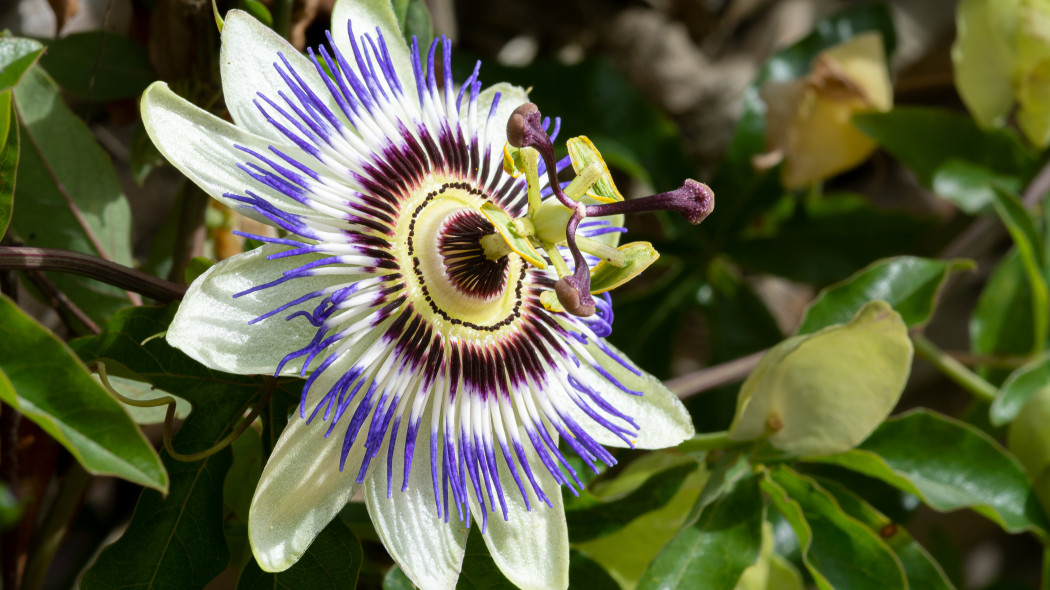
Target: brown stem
(58, 300)
(111, 273)
(716, 376)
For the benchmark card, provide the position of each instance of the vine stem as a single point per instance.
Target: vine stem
(708, 441)
(92, 267)
(56, 523)
(711, 377)
(953, 369)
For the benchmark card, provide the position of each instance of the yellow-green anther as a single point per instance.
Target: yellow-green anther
(523, 227)
(584, 180)
(613, 256)
(505, 230)
(638, 256)
(583, 154)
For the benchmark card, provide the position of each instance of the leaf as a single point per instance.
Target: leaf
(42, 378)
(826, 240)
(175, 541)
(16, 57)
(718, 547)
(924, 139)
(826, 392)
(479, 570)
(333, 561)
(838, 550)
(604, 518)
(949, 465)
(8, 163)
(920, 568)
(137, 389)
(68, 192)
(1027, 436)
(587, 574)
(627, 553)
(99, 65)
(1002, 321)
(970, 187)
(910, 285)
(1029, 246)
(414, 18)
(1018, 387)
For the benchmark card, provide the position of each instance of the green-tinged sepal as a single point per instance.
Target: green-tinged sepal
(606, 276)
(582, 152)
(826, 392)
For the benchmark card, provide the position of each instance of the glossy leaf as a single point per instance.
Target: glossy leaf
(826, 392)
(910, 285)
(68, 192)
(838, 550)
(924, 139)
(627, 553)
(332, 562)
(970, 187)
(949, 465)
(99, 65)
(1002, 321)
(718, 547)
(920, 568)
(1018, 387)
(175, 541)
(9, 147)
(16, 57)
(42, 378)
(603, 518)
(1029, 246)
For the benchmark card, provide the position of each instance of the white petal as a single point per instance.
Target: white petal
(201, 146)
(429, 551)
(663, 420)
(511, 97)
(531, 548)
(246, 63)
(366, 15)
(212, 325)
(301, 490)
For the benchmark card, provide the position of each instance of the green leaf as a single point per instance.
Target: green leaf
(604, 518)
(414, 18)
(1029, 246)
(333, 561)
(826, 392)
(479, 570)
(68, 192)
(175, 541)
(99, 65)
(1002, 321)
(949, 465)
(10, 508)
(627, 553)
(16, 57)
(138, 389)
(826, 240)
(838, 550)
(1018, 387)
(259, 11)
(1027, 438)
(920, 568)
(41, 378)
(924, 139)
(718, 547)
(587, 574)
(970, 187)
(8, 162)
(395, 579)
(910, 285)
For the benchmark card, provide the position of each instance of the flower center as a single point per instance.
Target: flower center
(455, 283)
(468, 268)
